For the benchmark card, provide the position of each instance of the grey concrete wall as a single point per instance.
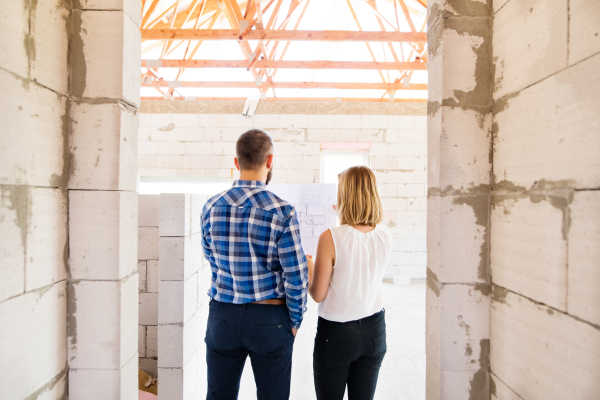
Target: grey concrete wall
(459, 167)
(148, 220)
(103, 279)
(513, 216)
(68, 149)
(545, 213)
(34, 126)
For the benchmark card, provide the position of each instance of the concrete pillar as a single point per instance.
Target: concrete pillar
(102, 289)
(459, 169)
(182, 300)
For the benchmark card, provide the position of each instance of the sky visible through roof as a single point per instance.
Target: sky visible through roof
(320, 15)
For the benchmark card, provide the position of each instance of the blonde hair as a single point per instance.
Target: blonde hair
(358, 200)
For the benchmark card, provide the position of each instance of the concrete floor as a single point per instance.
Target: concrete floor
(402, 376)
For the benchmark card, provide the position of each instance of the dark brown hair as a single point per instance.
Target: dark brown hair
(253, 148)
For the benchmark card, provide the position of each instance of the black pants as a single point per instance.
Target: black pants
(261, 331)
(349, 353)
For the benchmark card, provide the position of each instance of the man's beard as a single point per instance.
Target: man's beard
(269, 176)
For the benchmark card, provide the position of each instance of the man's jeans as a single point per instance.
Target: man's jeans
(262, 331)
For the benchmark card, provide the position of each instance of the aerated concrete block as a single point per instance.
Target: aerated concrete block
(557, 144)
(171, 384)
(528, 252)
(501, 391)
(293, 121)
(307, 149)
(102, 384)
(141, 341)
(105, 56)
(104, 224)
(33, 135)
(371, 135)
(148, 208)
(170, 346)
(460, 153)
(238, 121)
(262, 121)
(148, 241)
(171, 302)
(541, 353)
(14, 206)
(374, 121)
(320, 121)
(50, 44)
(152, 341)
(347, 121)
(103, 146)
(32, 339)
(179, 257)
(46, 238)
(17, 42)
(584, 35)
(400, 122)
(456, 237)
(584, 255)
(174, 215)
(320, 134)
(148, 308)
(152, 276)
(103, 324)
(131, 7)
(530, 43)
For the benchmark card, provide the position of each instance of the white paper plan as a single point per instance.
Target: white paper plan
(314, 206)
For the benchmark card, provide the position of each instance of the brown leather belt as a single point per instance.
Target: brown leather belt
(270, 301)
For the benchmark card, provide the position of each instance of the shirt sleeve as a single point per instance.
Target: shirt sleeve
(295, 269)
(204, 226)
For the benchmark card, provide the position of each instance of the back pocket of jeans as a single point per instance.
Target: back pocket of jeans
(332, 352)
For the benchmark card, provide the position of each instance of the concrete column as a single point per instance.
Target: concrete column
(182, 299)
(102, 289)
(459, 168)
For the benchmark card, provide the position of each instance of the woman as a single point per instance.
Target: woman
(346, 280)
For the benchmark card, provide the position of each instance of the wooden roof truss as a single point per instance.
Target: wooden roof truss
(177, 26)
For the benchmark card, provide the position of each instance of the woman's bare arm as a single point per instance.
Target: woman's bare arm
(325, 260)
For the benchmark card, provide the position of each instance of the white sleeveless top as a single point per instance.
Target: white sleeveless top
(355, 286)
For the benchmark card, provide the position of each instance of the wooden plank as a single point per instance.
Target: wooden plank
(338, 99)
(408, 66)
(284, 35)
(290, 85)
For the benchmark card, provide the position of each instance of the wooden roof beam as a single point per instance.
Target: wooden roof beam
(288, 85)
(407, 66)
(284, 35)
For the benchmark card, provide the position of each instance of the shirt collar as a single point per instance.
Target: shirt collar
(251, 184)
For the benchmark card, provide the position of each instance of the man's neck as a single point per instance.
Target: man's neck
(253, 176)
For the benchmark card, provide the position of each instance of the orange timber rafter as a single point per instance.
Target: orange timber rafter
(169, 26)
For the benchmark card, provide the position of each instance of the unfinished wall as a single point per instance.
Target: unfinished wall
(148, 220)
(33, 198)
(103, 280)
(545, 216)
(459, 139)
(184, 139)
(68, 297)
(184, 280)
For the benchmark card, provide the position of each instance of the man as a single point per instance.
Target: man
(252, 240)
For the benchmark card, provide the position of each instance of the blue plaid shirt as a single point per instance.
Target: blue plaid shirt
(252, 240)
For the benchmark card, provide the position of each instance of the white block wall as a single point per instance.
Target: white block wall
(148, 218)
(33, 199)
(545, 218)
(183, 281)
(203, 146)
